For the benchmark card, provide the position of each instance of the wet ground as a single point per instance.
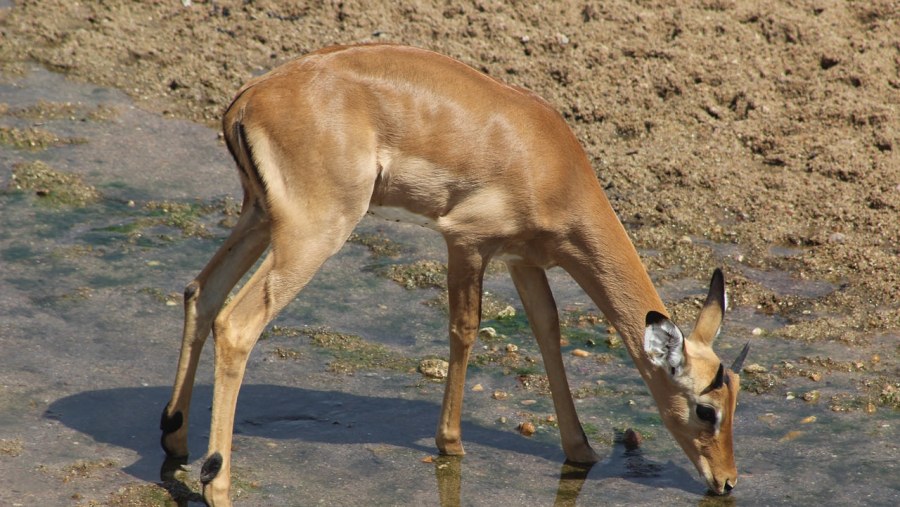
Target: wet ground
(107, 211)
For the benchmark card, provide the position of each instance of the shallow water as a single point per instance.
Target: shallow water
(90, 321)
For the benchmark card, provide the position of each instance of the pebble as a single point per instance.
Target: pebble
(815, 376)
(500, 395)
(837, 237)
(755, 368)
(807, 420)
(506, 313)
(511, 347)
(580, 353)
(528, 402)
(487, 333)
(477, 388)
(791, 435)
(526, 428)
(757, 331)
(632, 439)
(811, 396)
(434, 368)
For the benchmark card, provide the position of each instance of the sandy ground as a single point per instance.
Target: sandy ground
(768, 127)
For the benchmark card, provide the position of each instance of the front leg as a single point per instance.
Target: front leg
(465, 271)
(531, 283)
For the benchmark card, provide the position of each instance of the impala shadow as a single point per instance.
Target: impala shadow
(129, 418)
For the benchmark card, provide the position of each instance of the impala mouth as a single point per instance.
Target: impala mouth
(714, 488)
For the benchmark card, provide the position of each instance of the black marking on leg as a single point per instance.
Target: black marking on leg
(211, 468)
(191, 291)
(170, 423)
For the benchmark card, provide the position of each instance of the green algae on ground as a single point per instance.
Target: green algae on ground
(188, 218)
(350, 353)
(419, 275)
(34, 139)
(11, 447)
(379, 245)
(53, 186)
(44, 110)
(182, 216)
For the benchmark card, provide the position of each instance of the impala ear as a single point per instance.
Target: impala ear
(664, 344)
(710, 319)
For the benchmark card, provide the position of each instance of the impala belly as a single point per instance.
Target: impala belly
(397, 214)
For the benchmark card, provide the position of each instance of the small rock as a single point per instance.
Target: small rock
(757, 331)
(428, 459)
(808, 420)
(506, 313)
(526, 428)
(811, 396)
(876, 359)
(502, 419)
(755, 368)
(511, 347)
(815, 376)
(791, 435)
(871, 408)
(614, 341)
(487, 333)
(686, 240)
(477, 388)
(500, 395)
(580, 353)
(632, 439)
(434, 368)
(528, 402)
(837, 237)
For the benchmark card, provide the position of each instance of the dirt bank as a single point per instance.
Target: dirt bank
(753, 135)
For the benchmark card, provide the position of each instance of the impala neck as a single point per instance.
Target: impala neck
(606, 265)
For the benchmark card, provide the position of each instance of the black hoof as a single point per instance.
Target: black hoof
(211, 468)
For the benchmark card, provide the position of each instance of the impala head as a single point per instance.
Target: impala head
(700, 393)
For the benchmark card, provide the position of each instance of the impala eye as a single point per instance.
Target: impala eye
(706, 413)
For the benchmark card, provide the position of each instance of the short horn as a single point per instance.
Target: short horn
(739, 362)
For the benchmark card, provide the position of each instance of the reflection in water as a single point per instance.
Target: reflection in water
(171, 477)
(448, 470)
(626, 464)
(571, 479)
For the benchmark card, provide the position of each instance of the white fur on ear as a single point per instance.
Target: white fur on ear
(664, 344)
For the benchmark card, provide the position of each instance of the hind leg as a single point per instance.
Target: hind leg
(295, 257)
(203, 298)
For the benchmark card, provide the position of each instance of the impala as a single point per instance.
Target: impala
(408, 134)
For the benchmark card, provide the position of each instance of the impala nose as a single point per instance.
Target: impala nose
(728, 486)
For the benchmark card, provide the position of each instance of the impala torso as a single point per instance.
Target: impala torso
(413, 136)
(439, 142)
